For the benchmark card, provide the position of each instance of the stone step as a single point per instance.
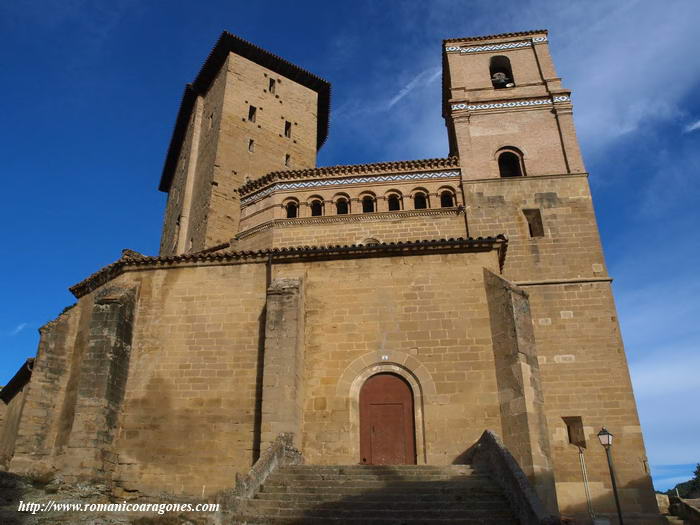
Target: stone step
(417, 485)
(403, 469)
(362, 503)
(378, 494)
(369, 476)
(348, 489)
(406, 468)
(359, 512)
(428, 497)
(264, 520)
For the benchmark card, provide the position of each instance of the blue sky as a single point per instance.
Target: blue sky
(92, 89)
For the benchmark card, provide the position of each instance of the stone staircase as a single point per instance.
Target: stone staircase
(359, 494)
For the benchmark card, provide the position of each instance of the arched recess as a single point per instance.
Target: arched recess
(393, 201)
(447, 196)
(510, 162)
(316, 205)
(291, 208)
(341, 203)
(401, 364)
(421, 199)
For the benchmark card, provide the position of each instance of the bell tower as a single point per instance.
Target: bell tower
(506, 111)
(247, 113)
(510, 122)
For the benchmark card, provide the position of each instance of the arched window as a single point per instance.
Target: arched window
(367, 204)
(510, 164)
(394, 202)
(447, 200)
(341, 206)
(501, 72)
(316, 208)
(292, 210)
(420, 201)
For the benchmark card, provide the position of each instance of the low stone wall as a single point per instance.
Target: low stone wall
(280, 453)
(490, 454)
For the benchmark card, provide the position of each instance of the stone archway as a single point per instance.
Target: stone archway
(401, 364)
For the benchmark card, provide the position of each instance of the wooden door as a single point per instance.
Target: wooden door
(387, 434)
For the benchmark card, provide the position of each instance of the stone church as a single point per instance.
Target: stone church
(382, 314)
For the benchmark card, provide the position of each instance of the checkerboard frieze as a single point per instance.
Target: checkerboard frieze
(513, 103)
(496, 47)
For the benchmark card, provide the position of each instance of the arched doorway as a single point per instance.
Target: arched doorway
(387, 429)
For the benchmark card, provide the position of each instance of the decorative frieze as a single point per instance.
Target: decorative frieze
(496, 47)
(319, 183)
(513, 103)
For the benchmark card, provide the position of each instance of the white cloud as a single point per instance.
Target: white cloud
(693, 126)
(424, 78)
(18, 329)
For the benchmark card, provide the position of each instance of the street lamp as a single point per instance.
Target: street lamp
(606, 439)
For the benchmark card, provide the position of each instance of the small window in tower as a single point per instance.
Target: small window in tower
(420, 201)
(447, 200)
(574, 429)
(501, 72)
(287, 159)
(272, 85)
(292, 210)
(211, 120)
(316, 208)
(252, 111)
(367, 204)
(394, 202)
(341, 206)
(534, 222)
(287, 129)
(510, 164)
(251, 145)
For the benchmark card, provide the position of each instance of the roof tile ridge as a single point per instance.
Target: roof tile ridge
(498, 35)
(228, 34)
(340, 169)
(131, 258)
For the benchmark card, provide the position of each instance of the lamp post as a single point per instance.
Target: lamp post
(606, 439)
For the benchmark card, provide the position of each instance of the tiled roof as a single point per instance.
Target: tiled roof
(490, 37)
(298, 253)
(352, 169)
(231, 43)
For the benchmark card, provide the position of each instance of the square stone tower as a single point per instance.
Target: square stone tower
(248, 112)
(510, 122)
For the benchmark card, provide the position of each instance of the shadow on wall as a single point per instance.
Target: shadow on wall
(162, 432)
(260, 367)
(160, 441)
